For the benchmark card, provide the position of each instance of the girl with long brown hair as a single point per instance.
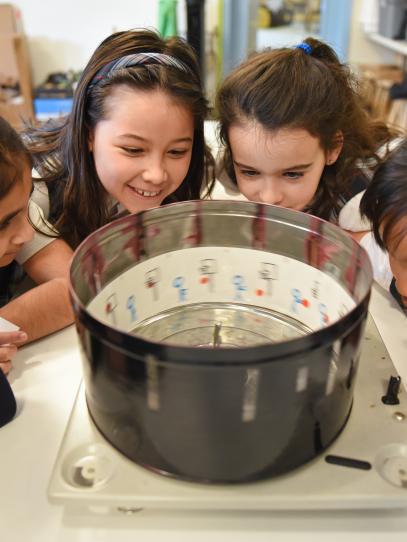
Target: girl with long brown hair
(134, 138)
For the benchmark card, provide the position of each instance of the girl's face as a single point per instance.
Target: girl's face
(15, 229)
(283, 167)
(398, 259)
(142, 149)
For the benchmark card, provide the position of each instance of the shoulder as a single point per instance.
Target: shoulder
(40, 195)
(44, 234)
(379, 259)
(349, 216)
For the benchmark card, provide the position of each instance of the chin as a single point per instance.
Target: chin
(6, 260)
(144, 206)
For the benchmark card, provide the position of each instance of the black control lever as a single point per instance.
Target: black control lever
(393, 388)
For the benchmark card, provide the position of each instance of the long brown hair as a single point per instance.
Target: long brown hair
(292, 88)
(79, 202)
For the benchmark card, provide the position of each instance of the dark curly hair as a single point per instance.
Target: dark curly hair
(385, 201)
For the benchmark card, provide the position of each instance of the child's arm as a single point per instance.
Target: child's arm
(45, 308)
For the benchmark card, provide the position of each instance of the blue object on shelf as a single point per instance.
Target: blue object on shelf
(52, 107)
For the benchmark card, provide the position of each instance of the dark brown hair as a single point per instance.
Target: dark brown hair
(288, 88)
(14, 158)
(385, 201)
(79, 202)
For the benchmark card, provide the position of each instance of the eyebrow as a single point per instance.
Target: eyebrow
(139, 138)
(292, 168)
(10, 216)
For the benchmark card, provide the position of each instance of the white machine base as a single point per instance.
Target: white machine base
(89, 472)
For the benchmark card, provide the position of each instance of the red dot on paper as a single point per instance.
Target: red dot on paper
(204, 280)
(259, 292)
(305, 302)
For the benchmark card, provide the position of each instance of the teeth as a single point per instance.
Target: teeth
(146, 193)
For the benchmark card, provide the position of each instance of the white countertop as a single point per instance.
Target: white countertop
(45, 380)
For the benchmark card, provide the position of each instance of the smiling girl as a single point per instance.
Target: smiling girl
(134, 139)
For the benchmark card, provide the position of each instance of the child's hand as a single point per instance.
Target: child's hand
(9, 340)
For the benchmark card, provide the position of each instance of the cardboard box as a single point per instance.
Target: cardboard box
(10, 19)
(8, 59)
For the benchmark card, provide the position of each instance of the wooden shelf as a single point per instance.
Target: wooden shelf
(14, 62)
(398, 46)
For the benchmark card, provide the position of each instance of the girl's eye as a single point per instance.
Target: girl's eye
(293, 174)
(249, 172)
(132, 150)
(4, 225)
(178, 152)
(7, 223)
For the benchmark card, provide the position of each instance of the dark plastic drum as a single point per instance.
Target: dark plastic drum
(220, 340)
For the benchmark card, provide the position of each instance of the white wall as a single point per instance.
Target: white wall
(362, 50)
(62, 34)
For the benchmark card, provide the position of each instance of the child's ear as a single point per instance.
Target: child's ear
(333, 153)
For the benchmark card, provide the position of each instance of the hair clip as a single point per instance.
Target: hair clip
(305, 47)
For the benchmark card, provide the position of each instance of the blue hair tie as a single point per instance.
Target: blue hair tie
(305, 47)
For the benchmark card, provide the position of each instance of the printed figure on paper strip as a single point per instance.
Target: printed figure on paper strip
(111, 306)
(152, 278)
(298, 300)
(343, 310)
(315, 289)
(240, 286)
(131, 305)
(323, 310)
(268, 272)
(178, 283)
(208, 269)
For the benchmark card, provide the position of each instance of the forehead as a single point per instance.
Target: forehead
(131, 109)
(18, 194)
(293, 144)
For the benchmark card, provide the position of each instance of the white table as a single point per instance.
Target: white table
(45, 380)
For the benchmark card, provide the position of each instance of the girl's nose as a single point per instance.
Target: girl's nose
(24, 232)
(154, 173)
(271, 193)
